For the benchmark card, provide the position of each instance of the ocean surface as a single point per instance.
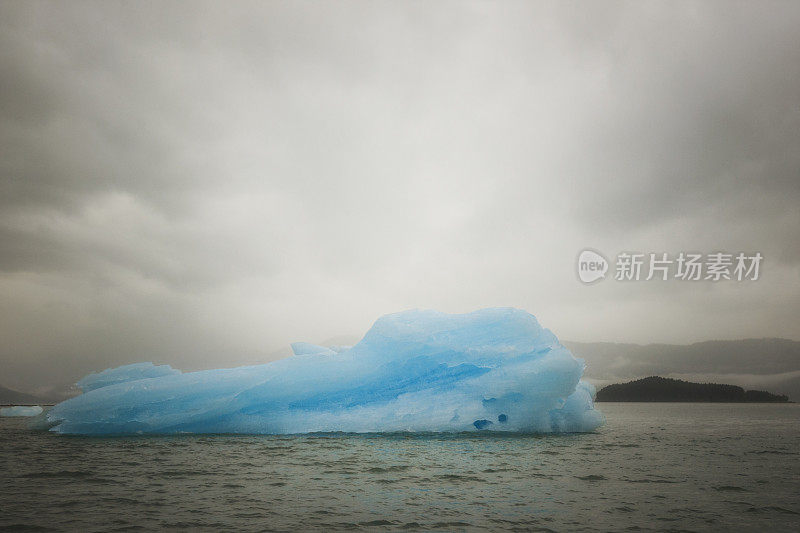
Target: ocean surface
(652, 467)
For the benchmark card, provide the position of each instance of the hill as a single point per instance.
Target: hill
(770, 364)
(12, 397)
(658, 389)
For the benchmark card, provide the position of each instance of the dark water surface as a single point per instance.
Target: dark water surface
(691, 467)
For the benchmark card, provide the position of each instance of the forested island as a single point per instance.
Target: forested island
(658, 389)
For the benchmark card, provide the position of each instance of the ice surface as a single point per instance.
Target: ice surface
(490, 370)
(21, 410)
(123, 374)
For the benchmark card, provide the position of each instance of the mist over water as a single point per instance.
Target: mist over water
(652, 466)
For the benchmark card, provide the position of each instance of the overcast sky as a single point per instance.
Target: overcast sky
(201, 184)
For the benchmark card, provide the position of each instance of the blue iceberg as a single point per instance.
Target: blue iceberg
(490, 370)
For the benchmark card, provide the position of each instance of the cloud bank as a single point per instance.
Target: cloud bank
(200, 185)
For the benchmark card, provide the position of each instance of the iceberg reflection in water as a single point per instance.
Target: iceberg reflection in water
(493, 369)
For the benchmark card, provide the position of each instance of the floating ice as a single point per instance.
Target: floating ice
(490, 370)
(21, 410)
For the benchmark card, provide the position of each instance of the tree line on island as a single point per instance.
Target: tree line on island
(658, 389)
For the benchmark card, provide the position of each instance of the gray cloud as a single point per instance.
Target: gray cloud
(200, 184)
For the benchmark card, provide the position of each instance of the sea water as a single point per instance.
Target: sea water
(691, 467)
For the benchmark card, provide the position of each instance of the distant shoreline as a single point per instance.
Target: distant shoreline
(696, 401)
(658, 389)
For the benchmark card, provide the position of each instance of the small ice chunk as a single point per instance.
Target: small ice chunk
(21, 410)
(306, 348)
